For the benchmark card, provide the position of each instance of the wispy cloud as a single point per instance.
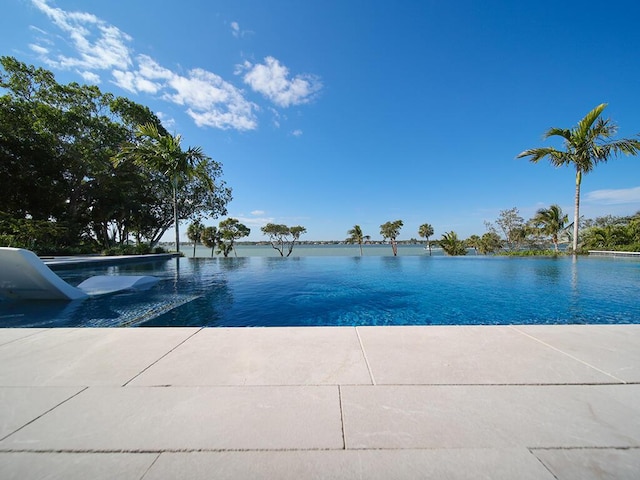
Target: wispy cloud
(272, 80)
(297, 133)
(238, 32)
(98, 44)
(614, 196)
(206, 97)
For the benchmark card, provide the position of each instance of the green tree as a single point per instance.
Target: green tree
(585, 145)
(229, 231)
(194, 232)
(474, 242)
(163, 153)
(355, 236)
(282, 235)
(452, 245)
(391, 230)
(56, 142)
(209, 237)
(489, 243)
(551, 221)
(425, 231)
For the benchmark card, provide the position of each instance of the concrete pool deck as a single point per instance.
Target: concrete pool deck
(499, 402)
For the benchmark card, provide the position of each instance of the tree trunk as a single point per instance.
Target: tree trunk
(576, 215)
(175, 217)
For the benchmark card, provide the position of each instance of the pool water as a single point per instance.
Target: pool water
(348, 291)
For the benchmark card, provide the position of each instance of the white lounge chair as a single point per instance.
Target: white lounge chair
(24, 276)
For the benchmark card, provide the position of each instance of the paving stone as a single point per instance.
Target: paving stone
(8, 335)
(21, 405)
(178, 418)
(85, 356)
(468, 355)
(469, 464)
(74, 466)
(592, 464)
(610, 348)
(263, 356)
(491, 416)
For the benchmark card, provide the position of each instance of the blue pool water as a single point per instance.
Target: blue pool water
(300, 291)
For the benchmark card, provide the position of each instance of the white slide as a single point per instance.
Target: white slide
(23, 276)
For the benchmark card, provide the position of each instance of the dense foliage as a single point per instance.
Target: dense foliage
(61, 189)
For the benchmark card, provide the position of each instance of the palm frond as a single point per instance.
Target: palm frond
(582, 129)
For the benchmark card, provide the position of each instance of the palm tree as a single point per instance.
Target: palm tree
(586, 145)
(194, 232)
(391, 230)
(452, 245)
(356, 236)
(163, 153)
(426, 230)
(552, 221)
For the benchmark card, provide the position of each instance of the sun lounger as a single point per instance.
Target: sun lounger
(24, 276)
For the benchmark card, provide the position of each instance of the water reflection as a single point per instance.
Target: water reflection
(354, 290)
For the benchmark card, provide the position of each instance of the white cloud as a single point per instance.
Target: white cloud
(253, 222)
(297, 133)
(235, 29)
(39, 49)
(90, 77)
(98, 44)
(272, 80)
(168, 122)
(614, 196)
(258, 212)
(207, 98)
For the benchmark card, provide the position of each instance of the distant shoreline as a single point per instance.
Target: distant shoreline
(313, 249)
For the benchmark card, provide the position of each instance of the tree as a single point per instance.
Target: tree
(425, 231)
(281, 235)
(163, 153)
(585, 145)
(229, 231)
(194, 232)
(356, 236)
(489, 243)
(551, 221)
(391, 230)
(513, 227)
(56, 142)
(474, 242)
(452, 245)
(209, 237)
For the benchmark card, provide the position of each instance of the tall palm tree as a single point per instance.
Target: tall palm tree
(356, 236)
(194, 232)
(426, 230)
(391, 230)
(552, 221)
(163, 153)
(586, 145)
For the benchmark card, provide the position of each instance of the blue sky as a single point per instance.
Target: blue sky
(332, 113)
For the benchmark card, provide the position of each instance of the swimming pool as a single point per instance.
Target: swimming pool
(348, 291)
